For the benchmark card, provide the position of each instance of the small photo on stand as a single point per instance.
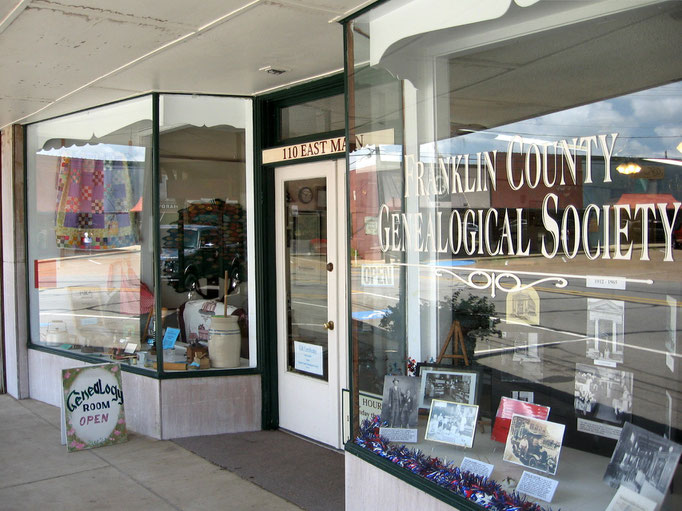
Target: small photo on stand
(399, 408)
(534, 443)
(452, 423)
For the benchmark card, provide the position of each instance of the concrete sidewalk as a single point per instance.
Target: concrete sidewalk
(37, 472)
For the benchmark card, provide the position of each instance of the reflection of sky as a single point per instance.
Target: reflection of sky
(105, 152)
(367, 156)
(648, 124)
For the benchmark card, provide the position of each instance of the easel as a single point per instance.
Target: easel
(458, 349)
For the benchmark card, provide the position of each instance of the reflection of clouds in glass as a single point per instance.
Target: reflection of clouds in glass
(654, 109)
(576, 122)
(670, 130)
(648, 124)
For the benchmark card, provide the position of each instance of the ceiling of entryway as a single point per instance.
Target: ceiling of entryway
(58, 56)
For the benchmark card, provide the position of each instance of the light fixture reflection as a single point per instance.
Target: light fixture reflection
(628, 168)
(679, 147)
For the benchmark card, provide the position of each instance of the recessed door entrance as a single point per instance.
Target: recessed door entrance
(310, 365)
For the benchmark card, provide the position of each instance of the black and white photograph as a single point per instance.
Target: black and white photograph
(605, 329)
(603, 394)
(523, 307)
(452, 423)
(400, 408)
(643, 462)
(458, 386)
(526, 350)
(534, 443)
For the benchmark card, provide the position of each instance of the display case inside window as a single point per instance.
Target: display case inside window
(515, 249)
(91, 285)
(204, 198)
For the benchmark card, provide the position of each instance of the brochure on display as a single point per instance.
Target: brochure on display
(477, 467)
(626, 499)
(537, 486)
(506, 410)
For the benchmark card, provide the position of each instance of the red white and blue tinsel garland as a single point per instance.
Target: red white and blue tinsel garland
(481, 490)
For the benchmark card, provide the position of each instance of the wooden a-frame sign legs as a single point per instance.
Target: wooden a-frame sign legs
(458, 349)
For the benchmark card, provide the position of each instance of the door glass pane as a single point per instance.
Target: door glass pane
(306, 276)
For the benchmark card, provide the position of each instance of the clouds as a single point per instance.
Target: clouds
(648, 123)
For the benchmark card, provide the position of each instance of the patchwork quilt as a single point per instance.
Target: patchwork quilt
(94, 197)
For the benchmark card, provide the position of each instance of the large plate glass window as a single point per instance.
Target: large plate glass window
(516, 239)
(91, 285)
(204, 200)
(91, 223)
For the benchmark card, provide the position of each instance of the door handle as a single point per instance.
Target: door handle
(329, 325)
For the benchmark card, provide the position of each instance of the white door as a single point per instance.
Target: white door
(310, 357)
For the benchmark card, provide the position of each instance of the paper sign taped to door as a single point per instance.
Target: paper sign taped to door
(308, 358)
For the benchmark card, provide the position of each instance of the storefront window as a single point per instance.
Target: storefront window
(204, 199)
(91, 286)
(91, 225)
(515, 246)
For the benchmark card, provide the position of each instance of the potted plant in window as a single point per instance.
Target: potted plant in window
(475, 315)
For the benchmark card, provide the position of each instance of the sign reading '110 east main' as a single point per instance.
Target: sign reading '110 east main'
(93, 406)
(305, 150)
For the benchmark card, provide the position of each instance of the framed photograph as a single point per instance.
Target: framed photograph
(448, 385)
(643, 462)
(534, 443)
(321, 192)
(605, 329)
(603, 394)
(399, 408)
(452, 423)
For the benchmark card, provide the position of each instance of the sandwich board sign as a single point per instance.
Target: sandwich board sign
(93, 413)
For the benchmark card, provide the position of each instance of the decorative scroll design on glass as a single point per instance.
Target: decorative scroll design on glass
(512, 282)
(493, 279)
